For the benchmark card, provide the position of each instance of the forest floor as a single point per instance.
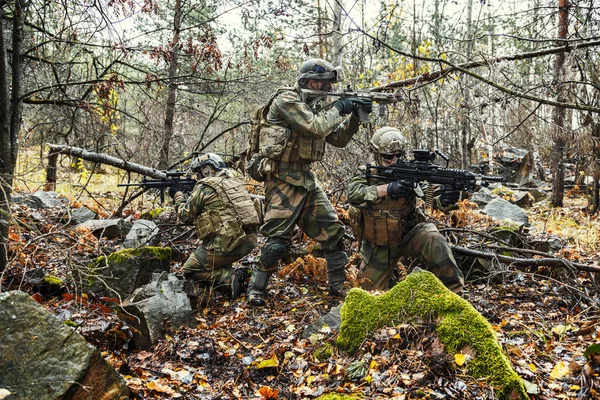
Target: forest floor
(545, 318)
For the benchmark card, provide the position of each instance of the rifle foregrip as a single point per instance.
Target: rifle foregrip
(363, 116)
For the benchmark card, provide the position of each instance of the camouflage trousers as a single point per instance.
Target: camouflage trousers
(209, 266)
(289, 205)
(423, 243)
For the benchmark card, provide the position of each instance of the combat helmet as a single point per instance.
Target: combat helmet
(319, 69)
(388, 141)
(208, 159)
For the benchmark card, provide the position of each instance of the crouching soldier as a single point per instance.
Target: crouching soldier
(226, 221)
(389, 225)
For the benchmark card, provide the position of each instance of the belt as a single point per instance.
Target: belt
(293, 166)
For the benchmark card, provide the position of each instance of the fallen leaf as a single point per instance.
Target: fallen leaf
(268, 393)
(560, 369)
(460, 359)
(268, 363)
(4, 393)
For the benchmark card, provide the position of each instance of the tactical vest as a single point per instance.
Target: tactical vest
(284, 145)
(386, 223)
(236, 215)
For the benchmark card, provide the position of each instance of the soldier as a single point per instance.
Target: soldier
(386, 217)
(296, 128)
(226, 221)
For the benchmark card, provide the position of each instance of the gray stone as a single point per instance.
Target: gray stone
(143, 232)
(81, 215)
(162, 300)
(331, 319)
(49, 199)
(522, 199)
(120, 273)
(538, 194)
(505, 211)
(27, 200)
(482, 197)
(108, 228)
(44, 359)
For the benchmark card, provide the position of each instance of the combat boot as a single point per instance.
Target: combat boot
(336, 273)
(258, 287)
(239, 282)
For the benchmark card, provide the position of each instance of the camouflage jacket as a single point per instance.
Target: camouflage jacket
(311, 128)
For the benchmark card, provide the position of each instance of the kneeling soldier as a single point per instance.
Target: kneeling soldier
(226, 221)
(391, 225)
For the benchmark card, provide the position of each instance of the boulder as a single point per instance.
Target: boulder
(505, 211)
(42, 358)
(482, 197)
(143, 232)
(161, 301)
(331, 320)
(81, 215)
(522, 199)
(48, 199)
(27, 200)
(123, 271)
(108, 228)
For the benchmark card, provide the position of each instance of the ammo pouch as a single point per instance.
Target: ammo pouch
(230, 231)
(259, 167)
(383, 228)
(357, 223)
(274, 139)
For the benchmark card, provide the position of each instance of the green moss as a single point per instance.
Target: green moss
(70, 323)
(423, 297)
(122, 256)
(152, 214)
(339, 396)
(324, 352)
(52, 280)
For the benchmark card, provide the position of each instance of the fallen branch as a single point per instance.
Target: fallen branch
(549, 262)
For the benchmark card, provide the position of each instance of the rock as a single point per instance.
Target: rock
(522, 199)
(27, 200)
(81, 215)
(143, 232)
(331, 320)
(43, 358)
(126, 270)
(482, 197)
(538, 195)
(108, 228)
(161, 300)
(48, 199)
(505, 211)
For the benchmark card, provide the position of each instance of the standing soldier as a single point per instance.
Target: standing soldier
(294, 128)
(226, 221)
(388, 224)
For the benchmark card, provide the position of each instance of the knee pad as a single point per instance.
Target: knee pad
(272, 252)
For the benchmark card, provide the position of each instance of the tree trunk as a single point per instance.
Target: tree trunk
(10, 119)
(466, 104)
(558, 148)
(336, 34)
(172, 90)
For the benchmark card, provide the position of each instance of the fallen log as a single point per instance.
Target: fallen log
(549, 262)
(105, 159)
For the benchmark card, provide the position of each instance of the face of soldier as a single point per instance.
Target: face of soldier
(389, 159)
(207, 171)
(314, 84)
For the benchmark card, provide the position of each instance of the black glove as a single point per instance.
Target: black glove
(449, 196)
(345, 106)
(364, 104)
(399, 189)
(172, 190)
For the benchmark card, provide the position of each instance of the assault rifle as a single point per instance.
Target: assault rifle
(181, 180)
(383, 99)
(422, 169)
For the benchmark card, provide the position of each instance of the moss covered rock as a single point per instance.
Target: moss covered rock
(422, 297)
(124, 271)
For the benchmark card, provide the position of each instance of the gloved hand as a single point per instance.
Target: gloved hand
(449, 196)
(345, 106)
(399, 189)
(364, 104)
(173, 190)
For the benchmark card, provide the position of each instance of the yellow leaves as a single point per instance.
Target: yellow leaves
(532, 367)
(563, 329)
(560, 370)
(272, 362)
(460, 359)
(158, 387)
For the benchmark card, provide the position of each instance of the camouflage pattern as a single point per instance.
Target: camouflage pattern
(418, 240)
(292, 195)
(210, 263)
